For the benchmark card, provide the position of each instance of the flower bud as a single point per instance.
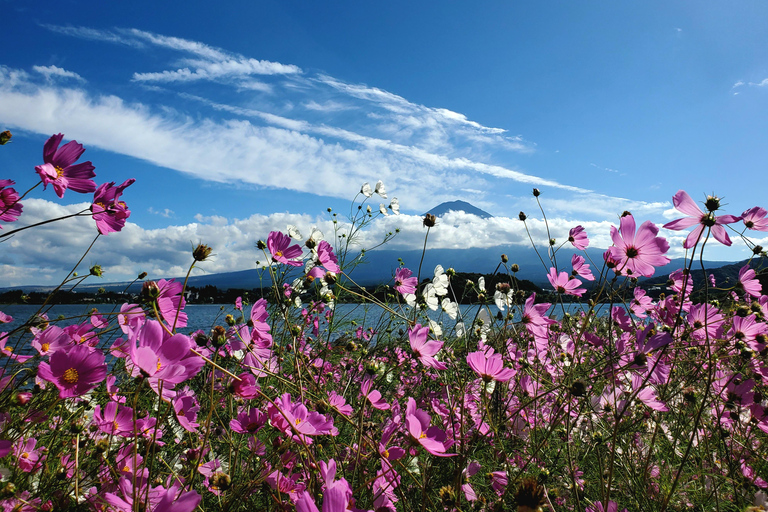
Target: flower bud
(515, 267)
(712, 203)
(201, 252)
(5, 137)
(536, 192)
(150, 291)
(261, 245)
(429, 220)
(219, 336)
(96, 271)
(142, 276)
(504, 258)
(757, 249)
(522, 216)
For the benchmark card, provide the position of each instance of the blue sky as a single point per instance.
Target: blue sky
(239, 120)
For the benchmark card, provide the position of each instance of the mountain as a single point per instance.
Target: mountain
(379, 266)
(458, 206)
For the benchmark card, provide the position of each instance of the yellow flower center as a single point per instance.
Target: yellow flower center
(298, 421)
(45, 347)
(386, 454)
(422, 436)
(25, 455)
(159, 364)
(8, 349)
(279, 254)
(70, 376)
(59, 171)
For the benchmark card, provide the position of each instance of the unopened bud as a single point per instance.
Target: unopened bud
(201, 252)
(5, 137)
(142, 275)
(261, 245)
(429, 220)
(757, 249)
(150, 291)
(504, 258)
(96, 271)
(219, 336)
(536, 192)
(515, 267)
(522, 216)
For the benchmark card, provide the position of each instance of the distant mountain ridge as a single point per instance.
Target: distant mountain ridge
(459, 206)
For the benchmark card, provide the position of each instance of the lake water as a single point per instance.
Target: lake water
(206, 316)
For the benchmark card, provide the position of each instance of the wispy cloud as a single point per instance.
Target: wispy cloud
(51, 72)
(165, 212)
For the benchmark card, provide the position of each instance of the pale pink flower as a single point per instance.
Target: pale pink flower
(701, 220)
(747, 280)
(578, 237)
(638, 253)
(563, 283)
(425, 350)
(755, 218)
(580, 268)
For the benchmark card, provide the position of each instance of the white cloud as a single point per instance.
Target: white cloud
(50, 72)
(166, 212)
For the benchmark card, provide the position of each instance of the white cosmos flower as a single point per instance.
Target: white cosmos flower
(481, 284)
(430, 297)
(460, 329)
(294, 232)
(410, 299)
(383, 209)
(503, 300)
(450, 308)
(366, 189)
(315, 236)
(380, 189)
(440, 281)
(394, 205)
(435, 328)
(484, 322)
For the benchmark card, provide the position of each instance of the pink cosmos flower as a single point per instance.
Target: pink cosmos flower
(747, 279)
(534, 316)
(747, 329)
(404, 283)
(186, 407)
(27, 457)
(373, 396)
(706, 321)
(296, 421)
(641, 303)
(248, 422)
(326, 257)
(337, 402)
(489, 366)
(578, 237)
(755, 218)
(282, 251)
(701, 220)
(562, 283)
(425, 350)
(170, 303)
(161, 357)
(74, 371)
(10, 207)
(59, 168)
(580, 268)
(638, 254)
(430, 438)
(114, 419)
(109, 212)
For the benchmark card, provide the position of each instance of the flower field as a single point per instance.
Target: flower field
(660, 406)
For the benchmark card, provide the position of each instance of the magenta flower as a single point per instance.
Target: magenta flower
(425, 350)
(373, 396)
(109, 212)
(578, 237)
(489, 366)
(637, 254)
(74, 371)
(27, 456)
(186, 407)
(534, 317)
(430, 438)
(282, 251)
(248, 422)
(10, 207)
(580, 268)
(706, 321)
(114, 419)
(161, 357)
(60, 170)
(755, 218)
(641, 303)
(404, 283)
(170, 303)
(296, 421)
(563, 283)
(747, 280)
(701, 220)
(337, 402)
(326, 257)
